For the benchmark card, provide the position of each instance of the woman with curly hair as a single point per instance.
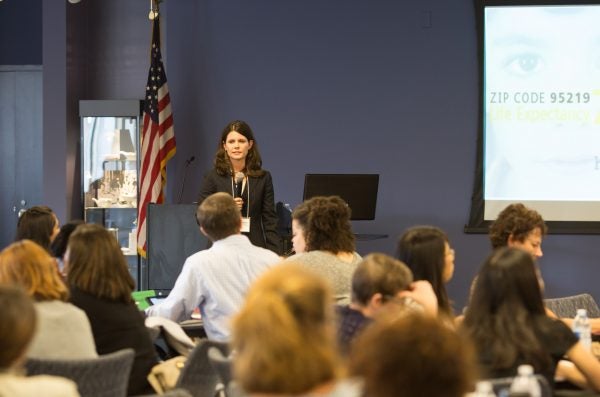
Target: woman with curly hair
(520, 227)
(238, 171)
(323, 241)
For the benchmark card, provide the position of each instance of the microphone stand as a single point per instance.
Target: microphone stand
(187, 164)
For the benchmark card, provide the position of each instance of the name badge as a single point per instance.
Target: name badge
(245, 225)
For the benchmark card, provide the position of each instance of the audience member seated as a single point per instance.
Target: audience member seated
(17, 327)
(101, 285)
(507, 322)
(284, 337)
(427, 253)
(38, 224)
(413, 355)
(521, 227)
(63, 330)
(378, 280)
(216, 279)
(58, 247)
(323, 241)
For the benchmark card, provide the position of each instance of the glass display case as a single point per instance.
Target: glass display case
(109, 160)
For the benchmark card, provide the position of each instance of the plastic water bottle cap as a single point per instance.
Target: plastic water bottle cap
(525, 369)
(582, 312)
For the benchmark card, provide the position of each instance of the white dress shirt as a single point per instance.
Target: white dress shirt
(216, 281)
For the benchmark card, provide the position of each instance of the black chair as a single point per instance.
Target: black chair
(566, 307)
(284, 227)
(104, 376)
(222, 364)
(198, 375)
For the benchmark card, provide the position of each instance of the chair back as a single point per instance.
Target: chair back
(222, 364)
(104, 376)
(198, 375)
(567, 306)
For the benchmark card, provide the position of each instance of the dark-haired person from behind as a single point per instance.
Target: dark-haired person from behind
(100, 284)
(238, 171)
(507, 322)
(17, 328)
(58, 247)
(427, 253)
(38, 224)
(413, 355)
(323, 241)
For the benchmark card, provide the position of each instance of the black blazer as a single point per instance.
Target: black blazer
(116, 326)
(263, 219)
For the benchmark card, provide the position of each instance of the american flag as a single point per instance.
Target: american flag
(158, 138)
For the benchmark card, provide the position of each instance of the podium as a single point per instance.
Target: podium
(172, 236)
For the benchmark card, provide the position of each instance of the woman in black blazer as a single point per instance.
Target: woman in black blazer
(101, 286)
(238, 171)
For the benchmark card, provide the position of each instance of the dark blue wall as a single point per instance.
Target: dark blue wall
(21, 32)
(350, 86)
(340, 87)
(337, 86)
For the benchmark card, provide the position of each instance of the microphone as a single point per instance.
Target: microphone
(239, 178)
(185, 168)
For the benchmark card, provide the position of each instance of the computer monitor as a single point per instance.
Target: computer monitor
(358, 190)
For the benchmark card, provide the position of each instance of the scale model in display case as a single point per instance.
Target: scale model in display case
(109, 160)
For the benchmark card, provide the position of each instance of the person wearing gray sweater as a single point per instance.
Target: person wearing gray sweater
(323, 241)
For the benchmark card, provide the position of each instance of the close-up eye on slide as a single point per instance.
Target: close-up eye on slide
(524, 64)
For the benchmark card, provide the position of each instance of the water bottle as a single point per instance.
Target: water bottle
(581, 328)
(525, 383)
(483, 389)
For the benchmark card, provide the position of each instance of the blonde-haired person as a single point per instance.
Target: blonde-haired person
(284, 337)
(63, 330)
(17, 327)
(100, 284)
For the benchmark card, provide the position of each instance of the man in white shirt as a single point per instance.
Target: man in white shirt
(216, 279)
